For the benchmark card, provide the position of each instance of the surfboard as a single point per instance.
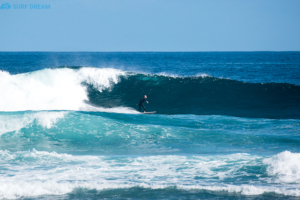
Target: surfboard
(150, 112)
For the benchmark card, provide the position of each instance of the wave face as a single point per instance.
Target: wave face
(118, 91)
(203, 95)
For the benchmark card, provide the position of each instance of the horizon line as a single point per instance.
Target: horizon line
(138, 51)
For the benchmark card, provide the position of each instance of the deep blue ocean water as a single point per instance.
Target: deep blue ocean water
(227, 125)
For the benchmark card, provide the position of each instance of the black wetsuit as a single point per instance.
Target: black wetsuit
(141, 104)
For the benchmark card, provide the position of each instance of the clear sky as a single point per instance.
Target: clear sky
(150, 25)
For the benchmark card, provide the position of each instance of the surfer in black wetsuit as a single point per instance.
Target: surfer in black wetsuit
(140, 104)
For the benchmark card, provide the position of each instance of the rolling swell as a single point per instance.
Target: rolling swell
(202, 96)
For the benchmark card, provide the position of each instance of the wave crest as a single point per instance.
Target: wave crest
(284, 167)
(53, 89)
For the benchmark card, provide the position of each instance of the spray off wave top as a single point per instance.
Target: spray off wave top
(53, 89)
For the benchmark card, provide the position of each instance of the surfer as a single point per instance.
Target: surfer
(140, 104)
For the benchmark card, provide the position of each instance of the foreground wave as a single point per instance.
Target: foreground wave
(130, 134)
(110, 90)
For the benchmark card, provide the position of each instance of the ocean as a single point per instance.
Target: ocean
(227, 125)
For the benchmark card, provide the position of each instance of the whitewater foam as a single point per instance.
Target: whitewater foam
(284, 167)
(53, 89)
(57, 174)
(15, 122)
(120, 109)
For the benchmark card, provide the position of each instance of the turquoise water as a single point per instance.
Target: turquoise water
(75, 133)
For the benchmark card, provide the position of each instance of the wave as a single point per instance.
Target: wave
(123, 134)
(14, 123)
(284, 167)
(57, 174)
(111, 90)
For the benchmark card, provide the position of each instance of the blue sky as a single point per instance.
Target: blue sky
(151, 25)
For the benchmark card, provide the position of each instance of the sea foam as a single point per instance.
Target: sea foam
(53, 89)
(57, 174)
(284, 167)
(15, 122)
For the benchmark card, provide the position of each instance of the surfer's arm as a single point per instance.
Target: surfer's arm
(147, 101)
